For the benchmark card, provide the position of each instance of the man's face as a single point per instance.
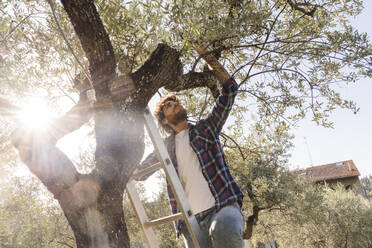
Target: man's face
(174, 113)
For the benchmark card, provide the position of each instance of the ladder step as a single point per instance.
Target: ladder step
(147, 171)
(163, 220)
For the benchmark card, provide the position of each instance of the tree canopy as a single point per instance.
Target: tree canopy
(286, 54)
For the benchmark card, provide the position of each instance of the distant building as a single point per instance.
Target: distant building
(344, 172)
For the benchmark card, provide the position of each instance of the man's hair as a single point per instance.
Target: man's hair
(159, 114)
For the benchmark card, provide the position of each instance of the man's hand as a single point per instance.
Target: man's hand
(213, 63)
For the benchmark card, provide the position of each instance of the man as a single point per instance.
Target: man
(198, 158)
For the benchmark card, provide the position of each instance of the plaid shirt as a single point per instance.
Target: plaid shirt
(204, 140)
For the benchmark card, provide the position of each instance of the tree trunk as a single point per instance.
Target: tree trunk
(92, 205)
(102, 222)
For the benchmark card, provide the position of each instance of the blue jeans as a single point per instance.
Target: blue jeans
(222, 229)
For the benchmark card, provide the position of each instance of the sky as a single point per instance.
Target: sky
(351, 137)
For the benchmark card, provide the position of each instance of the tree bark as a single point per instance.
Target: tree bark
(95, 42)
(95, 215)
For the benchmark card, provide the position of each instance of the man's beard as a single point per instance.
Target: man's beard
(178, 117)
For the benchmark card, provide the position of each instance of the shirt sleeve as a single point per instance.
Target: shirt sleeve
(221, 109)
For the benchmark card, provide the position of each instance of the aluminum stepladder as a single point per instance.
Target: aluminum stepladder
(172, 177)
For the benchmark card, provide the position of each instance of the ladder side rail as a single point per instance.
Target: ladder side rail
(173, 179)
(150, 237)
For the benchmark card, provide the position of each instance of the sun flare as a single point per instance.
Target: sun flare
(35, 114)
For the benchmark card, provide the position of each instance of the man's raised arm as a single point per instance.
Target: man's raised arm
(215, 66)
(217, 118)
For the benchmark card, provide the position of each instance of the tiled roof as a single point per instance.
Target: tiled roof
(337, 170)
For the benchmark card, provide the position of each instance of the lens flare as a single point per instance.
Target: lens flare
(35, 114)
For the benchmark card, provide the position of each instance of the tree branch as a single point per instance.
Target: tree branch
(77, 116)
(72, 120)
(236, 143)
(263, 46)
(47, 162)
(13, 29)
(251, 222)
(163, 68)
(64, 243)
(268, 105)
(95, 42)
(195, 79)
(51, 4)
(296, 6)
